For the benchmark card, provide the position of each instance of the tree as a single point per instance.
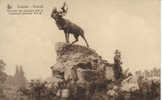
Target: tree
(2, 64)
(37, 90)
(3, 77)
(2, 73)
(19, 77)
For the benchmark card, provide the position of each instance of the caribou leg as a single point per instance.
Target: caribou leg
(67, 37)
(76, 39)
(85, 40)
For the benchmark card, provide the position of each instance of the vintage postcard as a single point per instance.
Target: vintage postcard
(80, 50)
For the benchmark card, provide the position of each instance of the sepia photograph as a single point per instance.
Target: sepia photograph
(80, 50)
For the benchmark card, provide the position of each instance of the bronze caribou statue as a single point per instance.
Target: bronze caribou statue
(67, 26)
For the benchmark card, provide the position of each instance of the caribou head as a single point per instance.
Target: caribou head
(55, 14)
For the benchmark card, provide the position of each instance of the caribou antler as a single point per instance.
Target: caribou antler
(64, 9)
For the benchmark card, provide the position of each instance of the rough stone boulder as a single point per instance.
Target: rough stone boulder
(79, 63)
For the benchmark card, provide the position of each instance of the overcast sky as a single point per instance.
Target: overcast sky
(132, 26)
